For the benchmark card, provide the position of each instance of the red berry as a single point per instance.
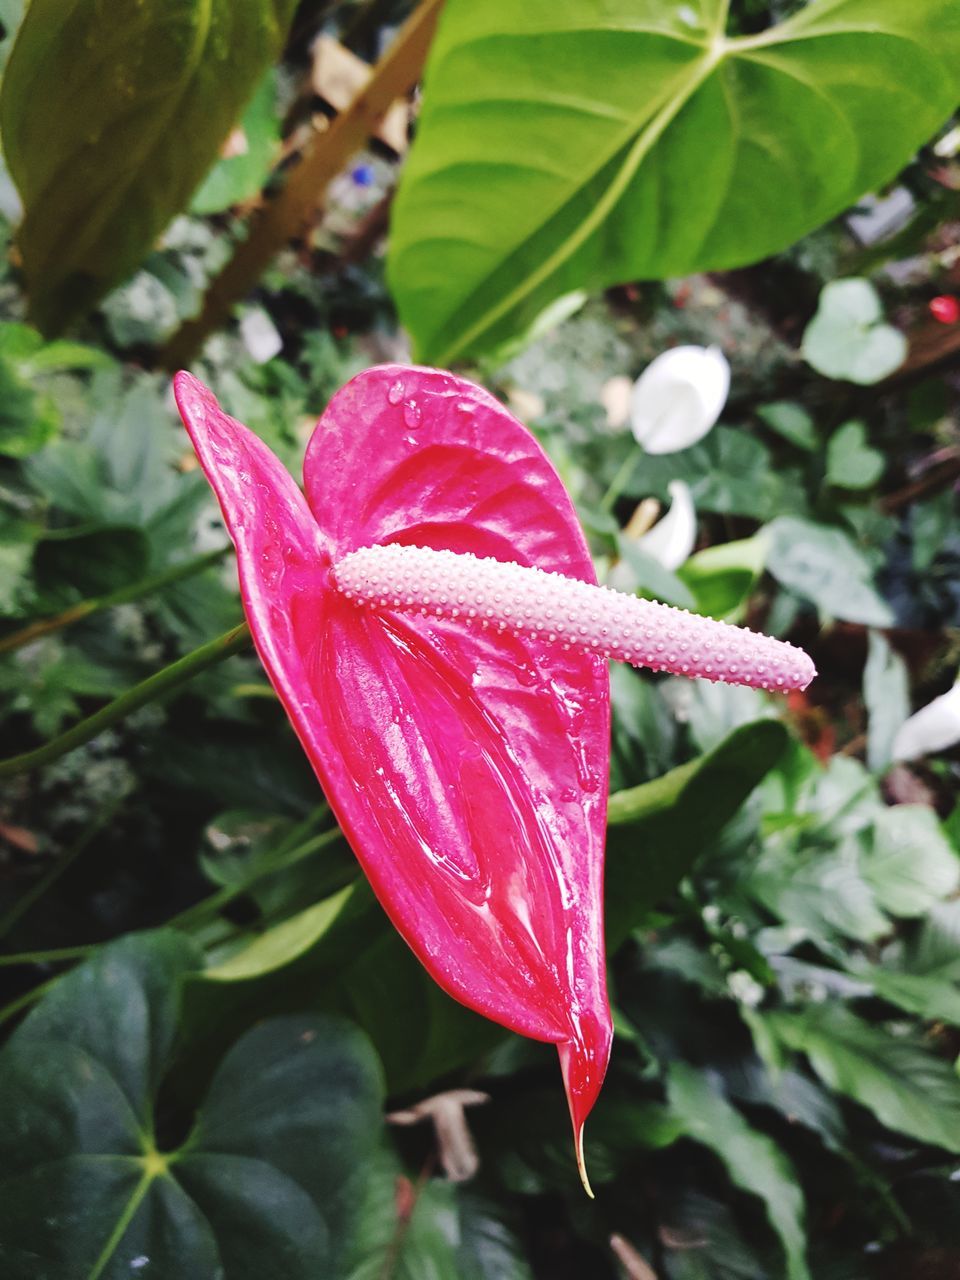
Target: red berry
(945, 308)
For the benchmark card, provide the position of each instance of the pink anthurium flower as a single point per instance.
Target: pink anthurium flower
(427, 611)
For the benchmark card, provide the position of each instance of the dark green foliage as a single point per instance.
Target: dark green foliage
(208, 1099)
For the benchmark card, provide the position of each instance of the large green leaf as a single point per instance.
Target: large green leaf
(753, 1160)
(565, 146)
(265, 1183)
(111, 115)
(658, 829)
(905, 1086)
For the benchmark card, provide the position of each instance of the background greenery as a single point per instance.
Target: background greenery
(208, 1018)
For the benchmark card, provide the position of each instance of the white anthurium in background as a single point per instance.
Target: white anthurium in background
(673, 537)
(934, 727)
(678, 398)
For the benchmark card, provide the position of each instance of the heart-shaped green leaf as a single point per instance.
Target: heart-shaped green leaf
(848, 340)
(565, 146)
(851, 462)
(111, 115)
(264, 1184)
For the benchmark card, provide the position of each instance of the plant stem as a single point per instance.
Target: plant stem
(156, 686)
(212, 905)
(623, 474)
(26, 1000)
(286, 217)
(61, 954)
(85, 608)
(53, 874)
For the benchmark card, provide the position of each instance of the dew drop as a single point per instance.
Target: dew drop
(395, 394)
(412, 414)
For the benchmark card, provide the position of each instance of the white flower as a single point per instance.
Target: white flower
(933, 728)
(673, 537)
(678, 398)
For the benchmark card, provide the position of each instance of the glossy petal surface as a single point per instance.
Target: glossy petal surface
(467, 767)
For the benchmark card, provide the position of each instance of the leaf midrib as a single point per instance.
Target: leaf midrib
(715, 54)
(699, 72)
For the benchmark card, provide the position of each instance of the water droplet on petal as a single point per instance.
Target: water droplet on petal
(412, 414)
(395, 394)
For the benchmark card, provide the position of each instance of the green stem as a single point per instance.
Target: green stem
(23, 904)
(61, 955)
(624, 472)
(212, 905)
(156, 686)
(27, 999)
(85, 608)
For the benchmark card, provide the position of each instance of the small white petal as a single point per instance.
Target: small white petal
(933, 728)
(678, 398)
(674, 536)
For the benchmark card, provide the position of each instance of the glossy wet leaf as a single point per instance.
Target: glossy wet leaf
(907, 1087)
(753, 1161)
(110, 117)
(563, 147)
(265, 1180)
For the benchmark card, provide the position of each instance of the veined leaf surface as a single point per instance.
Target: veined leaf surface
(566, 145)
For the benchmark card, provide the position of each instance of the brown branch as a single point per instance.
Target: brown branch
(286, 217)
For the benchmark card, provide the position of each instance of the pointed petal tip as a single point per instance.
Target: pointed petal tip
(583, 1064)
(582, 1164)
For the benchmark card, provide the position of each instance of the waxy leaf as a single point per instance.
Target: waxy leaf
(566, 146)
(466, 766)
(264, 1184)
(111, 115)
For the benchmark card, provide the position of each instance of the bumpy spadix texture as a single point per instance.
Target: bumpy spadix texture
(467, 767)
(557, 610)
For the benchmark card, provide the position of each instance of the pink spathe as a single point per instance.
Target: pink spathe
(465, 758)
(467, 769)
